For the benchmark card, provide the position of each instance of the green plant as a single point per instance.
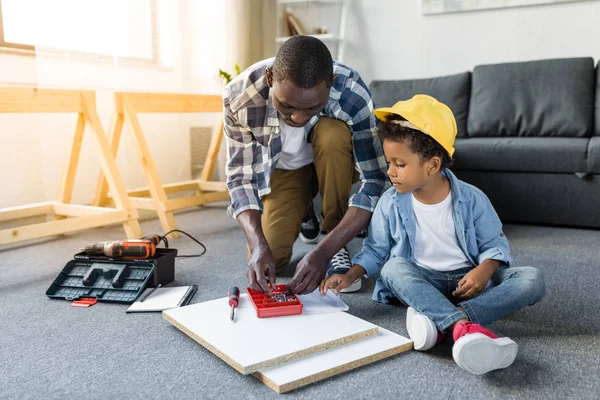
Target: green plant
(227, 76)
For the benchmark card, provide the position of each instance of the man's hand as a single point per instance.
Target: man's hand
(339, 282)
(309, 272)
(260, 264)
(476, 280)
(261, 259)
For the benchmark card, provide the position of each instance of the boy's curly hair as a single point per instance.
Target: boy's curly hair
(418, 142)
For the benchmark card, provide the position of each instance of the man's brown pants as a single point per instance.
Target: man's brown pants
(292, 192)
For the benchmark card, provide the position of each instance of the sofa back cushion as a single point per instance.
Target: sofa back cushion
(452, 90)
(597, 118)
(535, 98)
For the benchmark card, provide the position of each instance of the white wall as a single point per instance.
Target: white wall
(391, 39)
(33, 148)
(386, 39)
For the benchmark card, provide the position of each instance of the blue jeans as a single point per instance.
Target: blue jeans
(429, 292)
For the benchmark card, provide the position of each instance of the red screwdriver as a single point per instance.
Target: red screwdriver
(234, 298)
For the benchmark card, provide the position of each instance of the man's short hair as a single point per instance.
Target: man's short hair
(304, 61)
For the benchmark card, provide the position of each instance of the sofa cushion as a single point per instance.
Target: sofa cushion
(597, 115)
(566, 155)
(535, 98)
(452, 90)
(594, 156)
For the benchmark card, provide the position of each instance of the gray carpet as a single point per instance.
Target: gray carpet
(53, 351)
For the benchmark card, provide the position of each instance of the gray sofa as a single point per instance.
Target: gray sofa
(528, 135)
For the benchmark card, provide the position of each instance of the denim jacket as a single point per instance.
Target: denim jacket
(392, 230)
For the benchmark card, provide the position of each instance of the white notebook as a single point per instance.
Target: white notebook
(163, 298)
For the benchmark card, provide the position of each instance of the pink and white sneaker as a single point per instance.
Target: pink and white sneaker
(479, 350)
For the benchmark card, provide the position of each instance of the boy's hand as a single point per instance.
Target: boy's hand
(338, 282)
(476, 280)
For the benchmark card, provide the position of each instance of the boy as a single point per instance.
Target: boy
(449, 260)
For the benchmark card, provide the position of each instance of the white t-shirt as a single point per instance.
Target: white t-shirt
(296, 152)
(436, 245)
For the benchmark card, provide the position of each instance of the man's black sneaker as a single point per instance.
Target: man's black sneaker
(340, 264)
(311, 228)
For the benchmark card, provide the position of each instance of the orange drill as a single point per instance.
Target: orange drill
(125, 249)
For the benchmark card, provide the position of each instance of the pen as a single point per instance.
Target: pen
(150, 292)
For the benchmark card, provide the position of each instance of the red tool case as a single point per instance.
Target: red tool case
(267, 305)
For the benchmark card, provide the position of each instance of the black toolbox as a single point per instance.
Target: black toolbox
(112, 280)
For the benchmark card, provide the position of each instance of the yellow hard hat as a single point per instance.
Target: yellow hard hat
(428, 116)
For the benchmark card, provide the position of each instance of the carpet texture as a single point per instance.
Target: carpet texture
(51, 350)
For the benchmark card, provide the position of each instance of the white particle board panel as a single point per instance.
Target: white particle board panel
(294, 374)
(250, 343)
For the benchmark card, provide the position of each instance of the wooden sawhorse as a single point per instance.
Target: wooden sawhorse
(68, 217)
(127, 106)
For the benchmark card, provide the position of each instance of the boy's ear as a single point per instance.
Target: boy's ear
(435, 164)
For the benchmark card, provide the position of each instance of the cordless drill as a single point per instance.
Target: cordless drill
(125, 249)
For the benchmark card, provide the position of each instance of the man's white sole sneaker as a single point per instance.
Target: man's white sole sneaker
(355, 287)
(312, 240)
(478, 353)
(421, 330)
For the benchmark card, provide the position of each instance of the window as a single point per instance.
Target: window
(104, 27)
(4, 43)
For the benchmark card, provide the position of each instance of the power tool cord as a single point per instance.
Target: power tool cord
(166, 241)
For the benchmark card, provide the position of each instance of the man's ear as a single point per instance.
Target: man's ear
(435, 164)
(269, 74)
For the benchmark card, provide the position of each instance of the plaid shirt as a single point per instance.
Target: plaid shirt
(254, 142)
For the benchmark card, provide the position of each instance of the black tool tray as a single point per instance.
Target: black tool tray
(163, 260)
(103, 281)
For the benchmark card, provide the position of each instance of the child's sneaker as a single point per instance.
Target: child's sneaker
(340, 264)
(422, 330)
(478, 350)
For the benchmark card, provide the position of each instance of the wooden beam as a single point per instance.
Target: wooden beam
(198, 200)
(207, 186)
(34, 100)
(212, 197)
(169, 188)
(109, 167)
(30, 210)
(68, 182)
(159, 195)
(101, 197)
(213, 186)
(169, 103)
(144, 203)
(185, 202)
(51, 228)
(78, 210)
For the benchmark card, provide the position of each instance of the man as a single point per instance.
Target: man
(297, 125)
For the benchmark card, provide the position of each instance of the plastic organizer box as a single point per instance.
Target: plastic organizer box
(273, 305)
